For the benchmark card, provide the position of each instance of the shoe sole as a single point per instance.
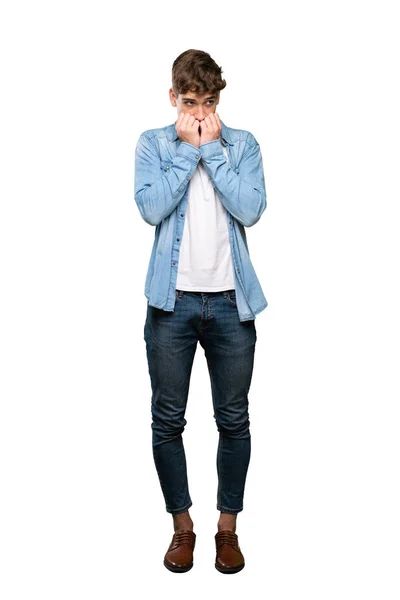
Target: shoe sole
(177, 569)
(228, 570)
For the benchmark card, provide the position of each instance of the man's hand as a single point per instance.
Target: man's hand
(187, 128)
(210, 128)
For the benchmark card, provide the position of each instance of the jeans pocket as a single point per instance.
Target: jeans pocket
(231, 297)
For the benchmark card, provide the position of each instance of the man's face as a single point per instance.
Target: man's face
(194, 104)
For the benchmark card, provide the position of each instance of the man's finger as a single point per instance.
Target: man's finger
(218, 122)
(214, 123)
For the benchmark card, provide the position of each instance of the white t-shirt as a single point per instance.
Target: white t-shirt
(205, 261)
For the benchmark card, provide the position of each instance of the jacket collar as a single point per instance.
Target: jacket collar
(172, 136)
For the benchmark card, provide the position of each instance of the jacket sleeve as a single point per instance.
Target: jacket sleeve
(159, 187)
(243, 194)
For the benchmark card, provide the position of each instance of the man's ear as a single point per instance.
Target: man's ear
(172, 96)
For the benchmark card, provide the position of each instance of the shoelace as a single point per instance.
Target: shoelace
(226, 537)
(184, 537)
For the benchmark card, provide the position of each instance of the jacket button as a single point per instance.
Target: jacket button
(181, 214)
(173, 262)
(197, 156)
(177, 239)
(188, 178)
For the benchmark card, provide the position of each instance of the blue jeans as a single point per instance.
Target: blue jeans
(229, 344)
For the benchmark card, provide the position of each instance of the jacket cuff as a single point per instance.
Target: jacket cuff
(189, 151)
(213, 148)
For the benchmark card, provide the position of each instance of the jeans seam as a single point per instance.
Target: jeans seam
(219, 495)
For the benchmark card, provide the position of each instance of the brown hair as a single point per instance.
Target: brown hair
(195, 71)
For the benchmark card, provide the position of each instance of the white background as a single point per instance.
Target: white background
(82, 513)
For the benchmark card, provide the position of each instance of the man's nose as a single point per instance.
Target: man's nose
(200, 114)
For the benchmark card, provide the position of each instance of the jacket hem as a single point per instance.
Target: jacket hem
(255, 312)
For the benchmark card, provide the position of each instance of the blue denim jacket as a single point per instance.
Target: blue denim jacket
(164, 166)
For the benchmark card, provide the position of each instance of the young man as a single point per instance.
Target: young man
(200, 183)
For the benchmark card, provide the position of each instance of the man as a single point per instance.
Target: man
(200, 183)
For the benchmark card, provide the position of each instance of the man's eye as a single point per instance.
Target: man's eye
(191, 102)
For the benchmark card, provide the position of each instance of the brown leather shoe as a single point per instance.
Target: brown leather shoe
(179, 556)
(229, 557)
